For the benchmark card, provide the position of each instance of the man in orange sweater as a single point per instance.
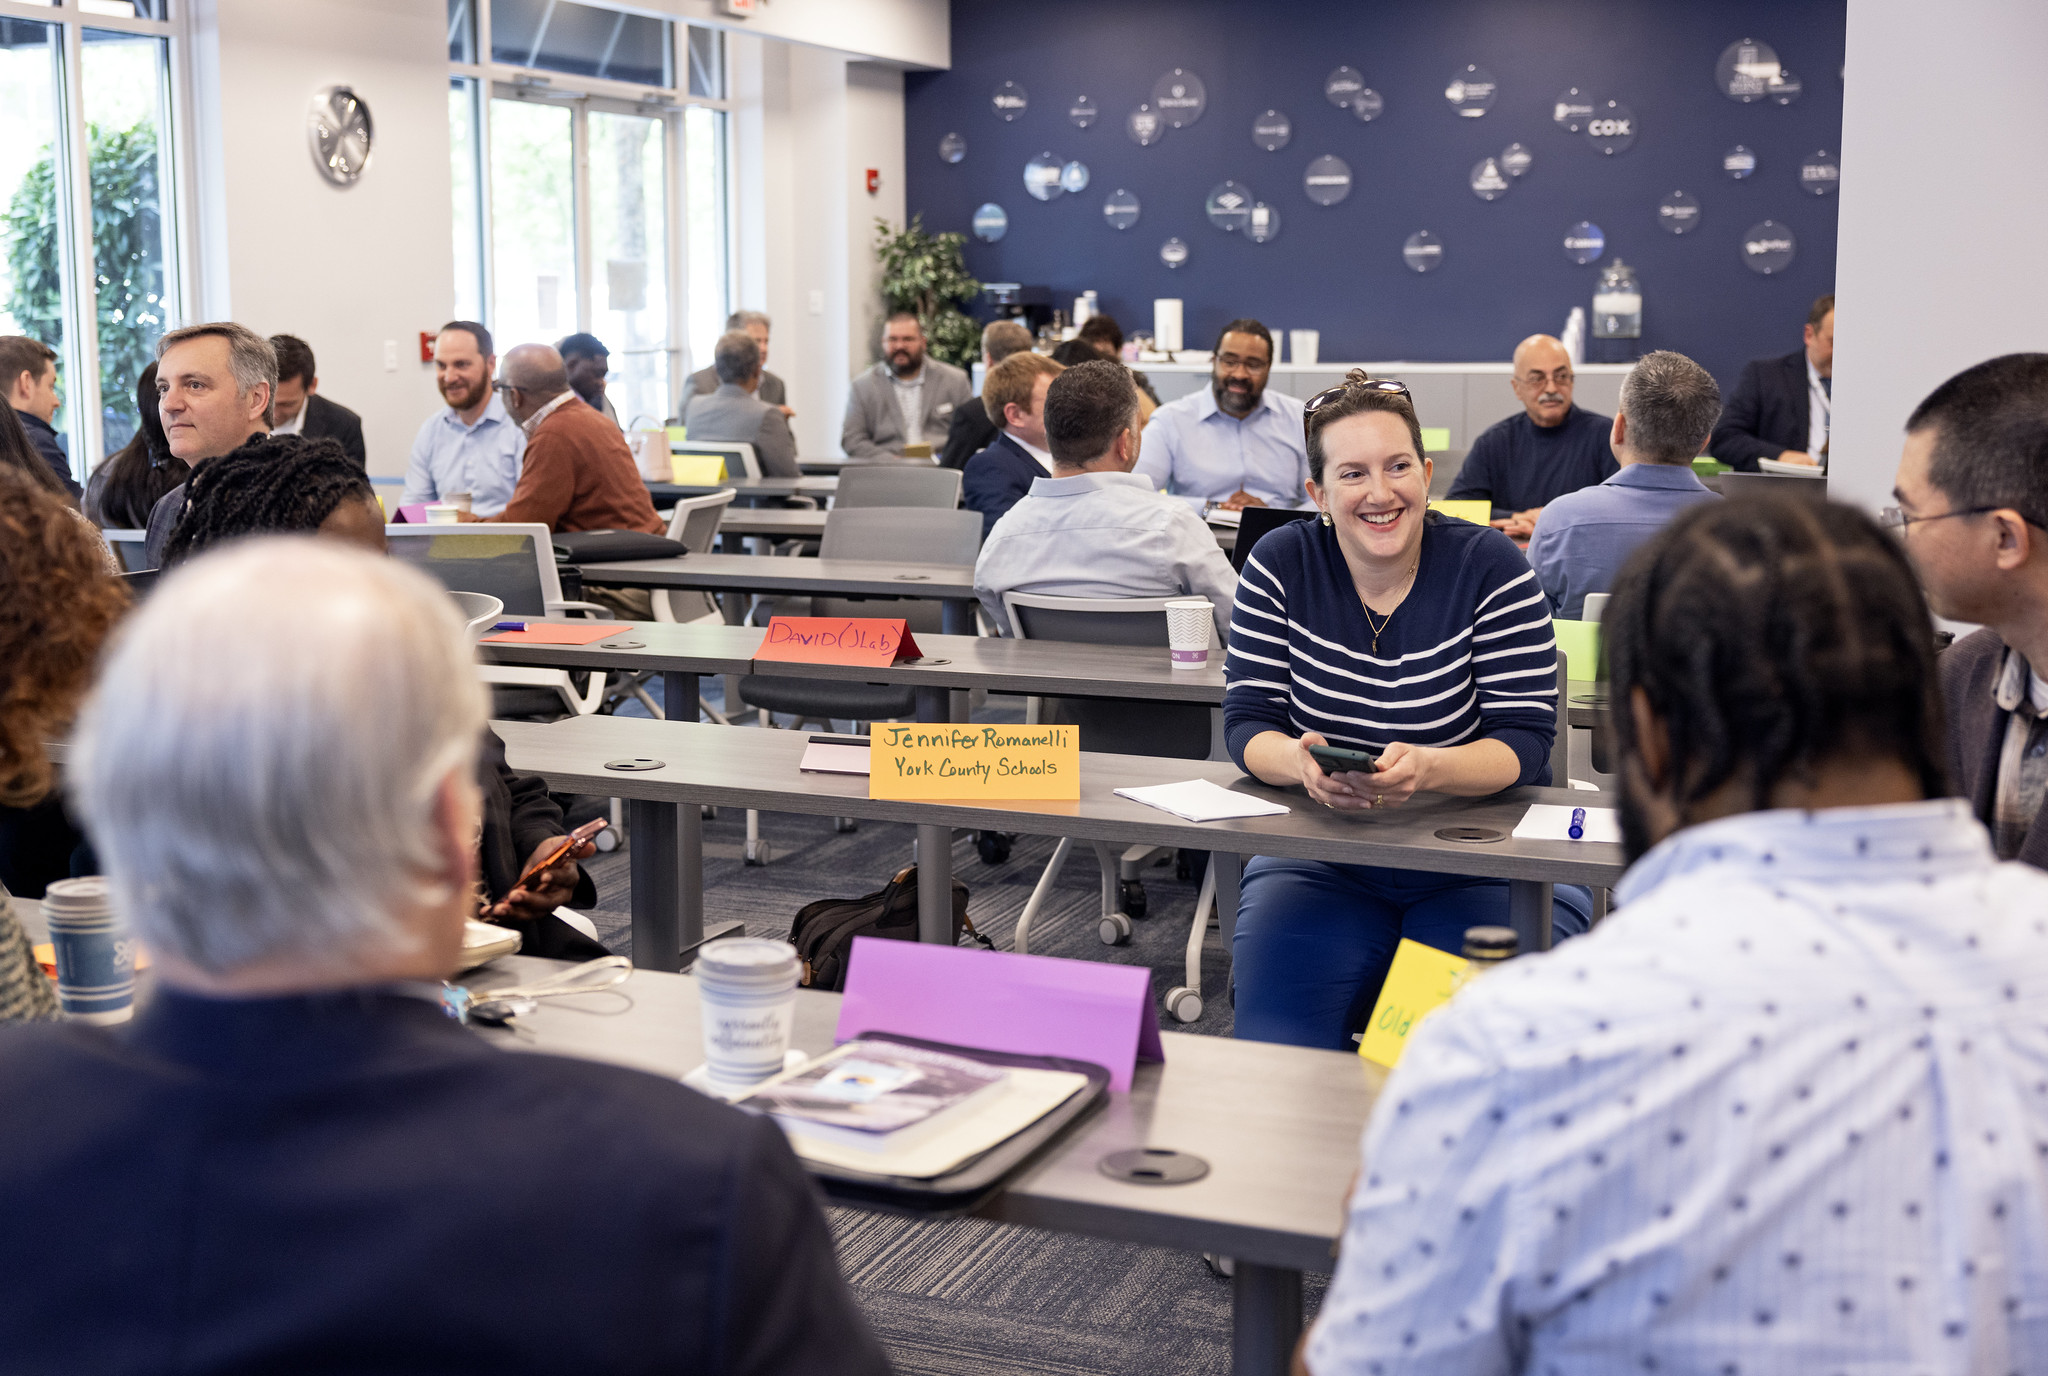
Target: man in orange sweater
(578, 473)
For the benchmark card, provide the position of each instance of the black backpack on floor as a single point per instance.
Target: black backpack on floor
(824, 930)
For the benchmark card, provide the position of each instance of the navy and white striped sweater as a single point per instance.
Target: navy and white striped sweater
(1468, 655)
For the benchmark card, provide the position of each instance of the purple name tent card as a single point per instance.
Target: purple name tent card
(995, 1001)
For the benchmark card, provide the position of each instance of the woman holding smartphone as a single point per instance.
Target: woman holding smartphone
(1380, 627)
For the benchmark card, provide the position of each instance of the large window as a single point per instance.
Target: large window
(590, 167)
(88, 243)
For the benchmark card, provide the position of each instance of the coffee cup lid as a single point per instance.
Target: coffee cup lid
(747, 959)
(90, 894)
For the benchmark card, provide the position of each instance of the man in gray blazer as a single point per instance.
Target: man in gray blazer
(907, 398)
(704, 381)
(735, 413)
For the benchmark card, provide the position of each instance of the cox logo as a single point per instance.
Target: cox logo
(1767, 246)
(1610, 128)
(1009, 102)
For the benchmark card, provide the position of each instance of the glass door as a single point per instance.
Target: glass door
(629, 261)
(533, 222)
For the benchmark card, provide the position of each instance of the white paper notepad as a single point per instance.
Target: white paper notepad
(1199, 800)
(1552, 822)
(823, 757)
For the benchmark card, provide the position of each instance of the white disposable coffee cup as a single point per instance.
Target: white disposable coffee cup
(461, 501)
(1304, 346)
(1189, 622)
(442, 513)
(95, 953)
(747, 989)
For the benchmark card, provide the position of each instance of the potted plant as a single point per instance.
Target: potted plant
(927, 273)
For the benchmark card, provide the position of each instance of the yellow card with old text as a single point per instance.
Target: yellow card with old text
(1420, 979)
(960, 760)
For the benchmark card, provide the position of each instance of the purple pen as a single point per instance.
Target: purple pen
(1577, 830)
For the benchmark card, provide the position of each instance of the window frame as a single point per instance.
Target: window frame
(493, 80)
(80, 357)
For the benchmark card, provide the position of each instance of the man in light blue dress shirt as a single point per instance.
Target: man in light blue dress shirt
(1235, 444)
(1668, 408)
(1093, 528)
(1784, 1110)
(473, 446)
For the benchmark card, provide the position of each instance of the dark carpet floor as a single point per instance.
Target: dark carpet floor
(967, 1297)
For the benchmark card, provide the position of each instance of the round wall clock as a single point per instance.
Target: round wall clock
(338, 131)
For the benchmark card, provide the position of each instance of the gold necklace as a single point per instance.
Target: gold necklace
(1382, 626)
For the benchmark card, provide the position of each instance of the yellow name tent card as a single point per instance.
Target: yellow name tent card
(1420, 979)
(695, 469)
(957, 760)
(1478, 513)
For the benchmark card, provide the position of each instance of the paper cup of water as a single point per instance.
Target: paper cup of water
(1305, 346)
(1189, 622)
(442, 513)
(747, 987)
(461, 501)
(95, 953)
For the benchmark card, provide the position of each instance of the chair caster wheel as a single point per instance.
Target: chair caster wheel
(608, 840)
(1114, 929)
(1183, 1003)
(993, 847)
(1134, 899)
(845, 824)
(756, 858)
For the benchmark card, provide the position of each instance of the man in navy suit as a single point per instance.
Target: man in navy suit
(291, 1160)
(997, 478)
(1780, 409)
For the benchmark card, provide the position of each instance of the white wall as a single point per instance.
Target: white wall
(874, 138)
(282, 250)
(914, 33)
(1939, 259)
(809, 126)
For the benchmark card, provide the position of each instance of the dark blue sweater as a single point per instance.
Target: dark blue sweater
(1468, 655)
(1517, 464)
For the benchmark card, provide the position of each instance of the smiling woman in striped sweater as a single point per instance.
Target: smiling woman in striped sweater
(1385, 627)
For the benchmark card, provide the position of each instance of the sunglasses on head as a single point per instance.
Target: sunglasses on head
(1385, 385)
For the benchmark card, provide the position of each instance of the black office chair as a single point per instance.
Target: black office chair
(1256, 523)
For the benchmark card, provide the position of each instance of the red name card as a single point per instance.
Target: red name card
(866, 640)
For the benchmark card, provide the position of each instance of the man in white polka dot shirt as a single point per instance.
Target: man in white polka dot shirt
(1787, 1109)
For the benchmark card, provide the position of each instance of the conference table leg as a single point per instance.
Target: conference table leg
(682, 688)
(1529, 913)
(956, 616)
(656, 868)
(1265, 1319)
(934, 847)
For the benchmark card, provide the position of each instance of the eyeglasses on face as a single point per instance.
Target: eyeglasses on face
(1894, 518)
(1561, 378)
(1384, 385)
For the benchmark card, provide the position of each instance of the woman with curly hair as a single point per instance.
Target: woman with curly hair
(58, 601)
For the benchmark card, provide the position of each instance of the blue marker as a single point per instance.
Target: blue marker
(1577, 830)
(510, 626)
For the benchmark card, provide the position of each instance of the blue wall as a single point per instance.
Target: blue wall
(1339, 269)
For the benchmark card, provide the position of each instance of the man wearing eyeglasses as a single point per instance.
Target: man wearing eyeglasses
(1972, 491)
(1236, 443)
(1523, 463)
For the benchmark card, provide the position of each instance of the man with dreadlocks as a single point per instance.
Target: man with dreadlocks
(1972, 493)
(282, 485)
(1782, 1111)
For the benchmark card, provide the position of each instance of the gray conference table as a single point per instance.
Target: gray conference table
(1278, 1125)
(776, 522)
(666, 770)
(681, 653)
(953, 584)
(749, 489)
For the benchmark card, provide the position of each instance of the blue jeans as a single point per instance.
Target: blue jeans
(1314, 940)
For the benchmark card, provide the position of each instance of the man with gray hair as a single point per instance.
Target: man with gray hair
(736, 412)
(1668, 408)
(291, 1158)
(755, 324)
(214, 386)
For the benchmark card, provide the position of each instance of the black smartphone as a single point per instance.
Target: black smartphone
(1336, 759)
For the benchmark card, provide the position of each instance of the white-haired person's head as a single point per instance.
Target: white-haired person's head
(278, 770)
